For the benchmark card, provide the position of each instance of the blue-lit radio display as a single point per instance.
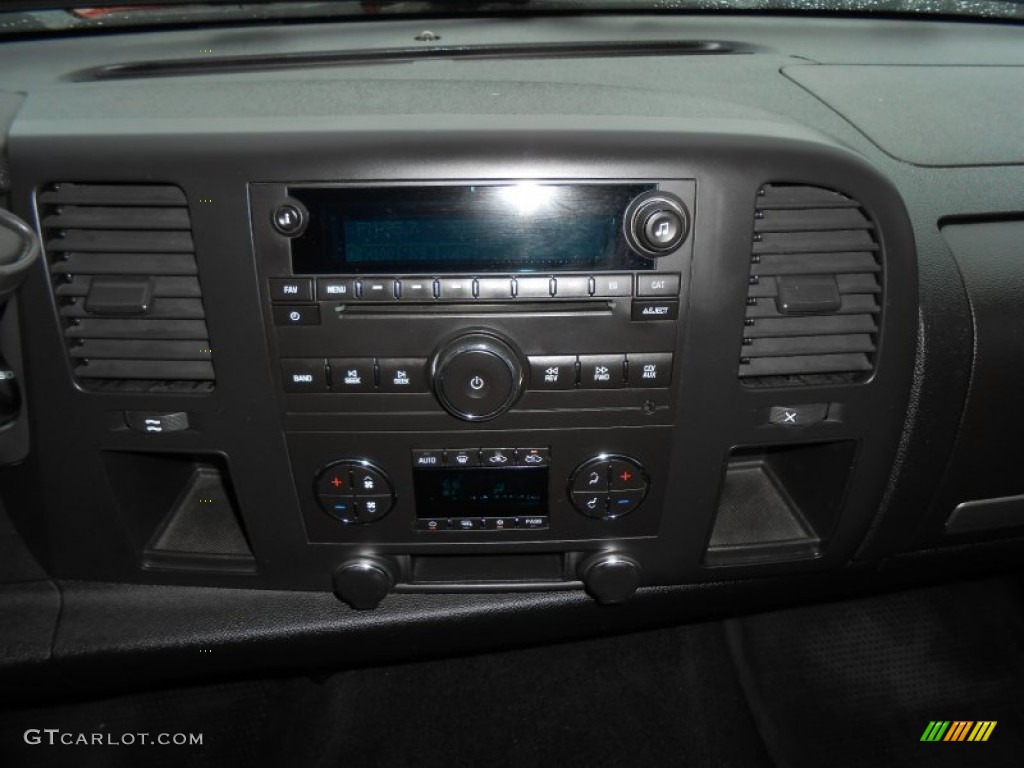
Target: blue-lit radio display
(515, 228)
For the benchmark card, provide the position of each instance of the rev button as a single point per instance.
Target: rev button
(557, 372)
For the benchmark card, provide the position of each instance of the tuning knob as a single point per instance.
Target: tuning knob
(363, 583)
(656, 224)
(610, 577)
(477, 377)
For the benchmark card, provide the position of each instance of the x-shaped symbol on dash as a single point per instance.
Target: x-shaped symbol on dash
(789, 417)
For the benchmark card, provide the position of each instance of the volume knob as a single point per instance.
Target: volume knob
(477, 377)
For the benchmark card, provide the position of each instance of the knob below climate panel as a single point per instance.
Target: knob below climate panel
(656, 224)
(608, 486)
(363, 583)
(354, 491)
(610, 577)
(477, 377)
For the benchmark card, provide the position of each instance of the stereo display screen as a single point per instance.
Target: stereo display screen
(516, 228)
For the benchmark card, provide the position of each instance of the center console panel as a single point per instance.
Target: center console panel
(476, 359)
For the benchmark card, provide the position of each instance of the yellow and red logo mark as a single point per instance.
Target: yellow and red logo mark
(958, 730)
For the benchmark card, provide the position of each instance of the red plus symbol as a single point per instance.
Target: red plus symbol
(626, 476)
(337, 483)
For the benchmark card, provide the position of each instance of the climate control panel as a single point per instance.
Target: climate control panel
(354, 491)
(607, 487)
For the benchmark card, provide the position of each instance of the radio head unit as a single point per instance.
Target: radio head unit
(480, 228)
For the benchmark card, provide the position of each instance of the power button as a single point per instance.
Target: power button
(477, 377)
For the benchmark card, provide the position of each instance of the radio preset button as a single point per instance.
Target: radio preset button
(415, 289)
(655, 309)
(491, 288)
(572, 287)
(335, 289)
(377, 289)
(652, 370)
(291, 289)
(428, 458)
(533, 287)
(601, 371)
(296, 314)
(657, 285)
(557, 372)
(402, 375)
(456, 289)
(304, 375)
(609, 286)
(351, 375)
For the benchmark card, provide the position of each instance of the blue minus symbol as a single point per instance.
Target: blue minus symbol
(341, 507)
(623, 501)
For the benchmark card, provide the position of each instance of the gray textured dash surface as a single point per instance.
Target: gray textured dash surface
(930, 116)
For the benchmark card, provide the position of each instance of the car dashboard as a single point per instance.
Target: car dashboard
(361, 343)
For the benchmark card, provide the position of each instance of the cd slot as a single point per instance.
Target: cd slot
(600, 307)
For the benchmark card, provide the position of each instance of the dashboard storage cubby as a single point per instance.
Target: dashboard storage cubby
(180, 510)
(779, 502)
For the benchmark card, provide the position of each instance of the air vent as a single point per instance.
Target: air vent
(814, 300)
(124, 276)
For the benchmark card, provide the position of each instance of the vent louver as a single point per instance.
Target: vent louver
(814, 300)
(124, 275)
